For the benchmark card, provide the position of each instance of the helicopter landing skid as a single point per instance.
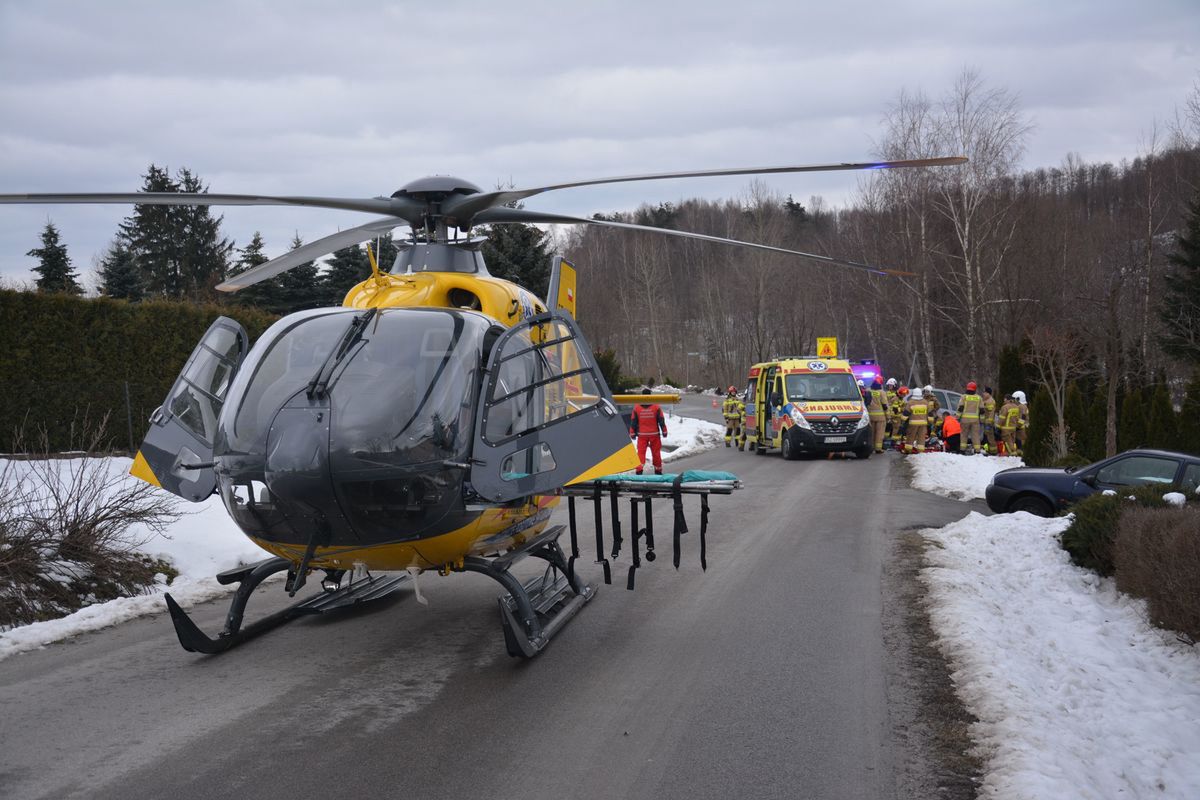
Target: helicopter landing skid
(531, 613)
(248, 578)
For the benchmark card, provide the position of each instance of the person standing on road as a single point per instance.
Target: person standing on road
(1006, 421)
(877, 408)
(988, 422)
(917, 412)
(1022, 420)
(729, 410)
(648, 426)
(969, 407)
(741, 440)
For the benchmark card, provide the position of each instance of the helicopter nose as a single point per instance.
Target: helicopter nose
(297, 460)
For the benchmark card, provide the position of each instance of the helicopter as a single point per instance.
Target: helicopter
(430, 422)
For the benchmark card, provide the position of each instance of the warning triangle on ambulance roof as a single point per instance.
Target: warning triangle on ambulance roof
(827, 349)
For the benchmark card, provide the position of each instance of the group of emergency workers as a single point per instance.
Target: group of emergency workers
(902, 419)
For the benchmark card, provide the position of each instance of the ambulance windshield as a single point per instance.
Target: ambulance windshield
(820, 387)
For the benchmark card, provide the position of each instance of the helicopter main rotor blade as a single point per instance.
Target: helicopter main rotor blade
(406, 209)
(466, 208)
(502, 215)
(308, 252)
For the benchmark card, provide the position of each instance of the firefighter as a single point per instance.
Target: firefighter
(987, 422)
(730, 410)
(648, 426)
(877, 409)
(932, 400)
(1006, 423)
(890, 394)
(899, 423)
(741, 442)
(1022, 421)
(916, 411)
(969, 407)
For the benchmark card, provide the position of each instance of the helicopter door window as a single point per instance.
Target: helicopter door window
(197, 400)
(530, 461)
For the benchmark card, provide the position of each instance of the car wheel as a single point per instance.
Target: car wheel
(863, 452)
(788, 449)
(1031, 504)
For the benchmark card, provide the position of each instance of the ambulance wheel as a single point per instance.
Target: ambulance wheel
(790, 452)
(863, 452)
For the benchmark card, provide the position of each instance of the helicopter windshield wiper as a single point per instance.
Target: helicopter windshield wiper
(320, 381)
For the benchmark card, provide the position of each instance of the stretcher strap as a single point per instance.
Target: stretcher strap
(614, 496)
(633, 542)
(599, 520)
(704, 531)
(680, 521)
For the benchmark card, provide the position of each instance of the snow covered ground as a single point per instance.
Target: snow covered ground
(1077, 695)
(205, 541)
(957, 476)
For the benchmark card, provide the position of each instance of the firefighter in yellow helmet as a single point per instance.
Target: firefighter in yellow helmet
(732, 410)
(987, 422)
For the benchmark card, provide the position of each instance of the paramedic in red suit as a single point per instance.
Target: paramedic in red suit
(646, 423)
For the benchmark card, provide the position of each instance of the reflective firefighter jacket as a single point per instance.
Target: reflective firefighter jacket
(1009, 415)
(917, 412)
(729, 409)
(877, 404)
(969, 407)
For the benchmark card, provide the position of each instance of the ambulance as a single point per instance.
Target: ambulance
(806, 404)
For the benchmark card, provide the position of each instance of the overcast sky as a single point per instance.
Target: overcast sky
(358, 98)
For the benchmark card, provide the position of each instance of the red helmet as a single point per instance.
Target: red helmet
(732, 390)
(971, 386)
(903, 390)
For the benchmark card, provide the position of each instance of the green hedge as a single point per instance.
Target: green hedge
(64, 360)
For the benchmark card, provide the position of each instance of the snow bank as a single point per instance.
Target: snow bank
(688, 436)
(1076, 694)
(203, 542)
(956, 476)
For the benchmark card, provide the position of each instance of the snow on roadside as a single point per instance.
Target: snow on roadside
(1076, 694)
(203, 542)
(957, 476)
(687, 437)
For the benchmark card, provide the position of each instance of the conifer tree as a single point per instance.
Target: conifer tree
(1189, 420)
(300, 287)
(54, 265)
(1012, 372)
(1162, 427)
(1039, 439)
(119, 275)
(1180, 310)
(1092, 445)
(1131, 424)
(1075, 416)
(349, 266)
(265, 295)
(178, 250)
(521, 254)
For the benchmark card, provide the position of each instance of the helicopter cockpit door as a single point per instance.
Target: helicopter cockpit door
(177, 452)
(546, 417)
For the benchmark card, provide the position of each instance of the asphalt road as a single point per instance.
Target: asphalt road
(764, 677)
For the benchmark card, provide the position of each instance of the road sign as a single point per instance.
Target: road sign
(827, 347)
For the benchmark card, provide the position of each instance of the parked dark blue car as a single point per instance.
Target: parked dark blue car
(1045, 492)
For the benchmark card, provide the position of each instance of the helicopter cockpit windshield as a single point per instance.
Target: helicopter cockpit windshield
(398, 395)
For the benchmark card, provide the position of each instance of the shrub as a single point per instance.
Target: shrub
(69, 534)
(1156, 553)
(1089, 539)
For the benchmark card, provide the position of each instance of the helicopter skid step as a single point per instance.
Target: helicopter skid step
(196, 641)
(554, 602)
